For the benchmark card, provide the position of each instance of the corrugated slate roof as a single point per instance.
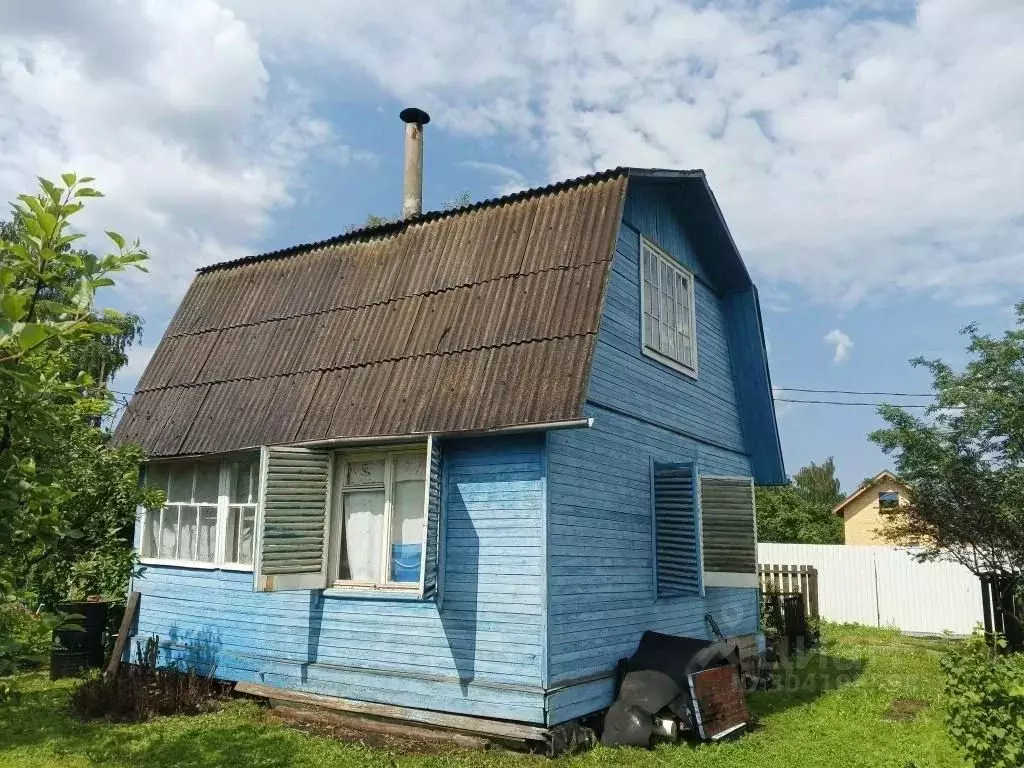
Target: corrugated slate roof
(460, 321)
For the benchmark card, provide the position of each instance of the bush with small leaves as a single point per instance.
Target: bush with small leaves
(985, 702)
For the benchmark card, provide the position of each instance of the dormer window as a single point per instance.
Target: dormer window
(669, 324)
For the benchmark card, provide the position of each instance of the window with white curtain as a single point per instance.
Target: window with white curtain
(668, 321)
(209, 513)
(380, 507)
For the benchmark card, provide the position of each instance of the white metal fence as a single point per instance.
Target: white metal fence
(885, 586)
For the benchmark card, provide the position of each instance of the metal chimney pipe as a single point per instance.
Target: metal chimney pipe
(412, 191)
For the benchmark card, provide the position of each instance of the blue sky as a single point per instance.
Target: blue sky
(867, 155)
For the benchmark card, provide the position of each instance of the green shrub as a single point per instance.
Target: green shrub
(24, 640)
(985, 702)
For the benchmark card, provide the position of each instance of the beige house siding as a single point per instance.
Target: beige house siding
(862, 521)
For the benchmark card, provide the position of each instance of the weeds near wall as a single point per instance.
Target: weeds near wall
(145, 690)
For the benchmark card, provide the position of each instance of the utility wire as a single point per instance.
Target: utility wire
(840, 402)
(855, 392)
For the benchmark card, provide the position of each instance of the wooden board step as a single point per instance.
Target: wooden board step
(502, 729)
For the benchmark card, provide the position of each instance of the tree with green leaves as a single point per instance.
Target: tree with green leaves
(818, 483)
(99, 355)
(964, 459)
(800, 512)
(48, 319)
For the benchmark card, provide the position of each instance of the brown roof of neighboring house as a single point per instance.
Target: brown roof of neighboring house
(883, 476)
(449, 322)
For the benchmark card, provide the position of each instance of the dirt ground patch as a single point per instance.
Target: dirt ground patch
(904, 710)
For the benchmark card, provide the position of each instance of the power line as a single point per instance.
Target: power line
(848, 402)
(855, 392)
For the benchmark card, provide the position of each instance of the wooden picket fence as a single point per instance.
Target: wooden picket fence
(789, 579)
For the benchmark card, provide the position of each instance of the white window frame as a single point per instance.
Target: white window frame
(219, 561)
(646, 346)
(337, 516)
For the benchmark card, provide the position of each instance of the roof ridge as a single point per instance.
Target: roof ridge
(392, 300)
(429, 216)
(367, 364)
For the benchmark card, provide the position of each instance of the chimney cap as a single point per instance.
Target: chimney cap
(414, 115)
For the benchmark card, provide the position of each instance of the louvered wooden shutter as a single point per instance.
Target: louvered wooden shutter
(729, 530)
(432, 522)
(677, 531)
(292, 519)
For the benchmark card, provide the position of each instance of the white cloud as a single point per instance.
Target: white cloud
(853, 154)
(841, 343)
(782, 405)
(171, 107)
(511, 180)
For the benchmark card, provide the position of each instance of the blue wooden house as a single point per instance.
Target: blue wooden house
(455, 466)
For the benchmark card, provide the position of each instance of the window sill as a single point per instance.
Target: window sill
(364, 593)
(668, 361)
(195, 565)
(714, 579)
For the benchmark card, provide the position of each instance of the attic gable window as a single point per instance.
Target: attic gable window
(208, 517)
(888, 501)
(669, 326)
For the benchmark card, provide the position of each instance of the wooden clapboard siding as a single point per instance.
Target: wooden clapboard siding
(601, 595)
(623, 378)
(601, 591)
(480, 654)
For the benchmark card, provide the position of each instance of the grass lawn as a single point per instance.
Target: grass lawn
(832, 709)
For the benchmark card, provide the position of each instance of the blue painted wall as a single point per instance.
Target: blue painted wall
(481, 653)
(601, 583)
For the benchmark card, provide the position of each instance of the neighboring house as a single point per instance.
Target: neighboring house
(461, 462)
(864, 511)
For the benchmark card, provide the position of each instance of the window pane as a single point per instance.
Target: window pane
(650, 298)
(246, 537)
(666, 274)
(206, 550)
(407, 531)
(365, 472)
(362, 534)
(181, 483)
(650, 265)
(244, 478)
(231, 535)
(410, 466)
(652, 332)
(239, 532)
(207, 482)
(168, 539)
(668, 341)
(187, 538)
(149, 530)
(156, 476)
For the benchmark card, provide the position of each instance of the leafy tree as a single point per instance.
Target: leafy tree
(964, 460)
(47, 318)
(100, 355)
(818, 483)
(785, 514)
